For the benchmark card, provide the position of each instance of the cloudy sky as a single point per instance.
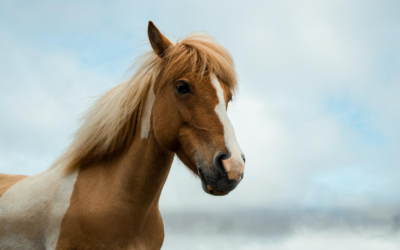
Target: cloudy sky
(317, 112)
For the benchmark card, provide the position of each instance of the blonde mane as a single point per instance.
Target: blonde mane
(110, 124)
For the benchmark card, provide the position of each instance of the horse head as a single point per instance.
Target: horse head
(189, 114)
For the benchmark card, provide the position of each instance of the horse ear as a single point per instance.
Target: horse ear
(157, 40)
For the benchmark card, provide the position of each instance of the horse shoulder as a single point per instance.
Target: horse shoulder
(31, 211)
(6, 181)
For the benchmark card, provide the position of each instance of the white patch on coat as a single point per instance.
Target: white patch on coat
(235, 161)
(31, 211)
(145, 124)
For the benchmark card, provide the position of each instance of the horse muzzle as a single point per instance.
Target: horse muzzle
(224, 176)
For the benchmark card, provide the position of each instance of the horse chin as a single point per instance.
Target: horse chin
(208, 189)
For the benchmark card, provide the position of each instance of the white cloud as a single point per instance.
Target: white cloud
(42, 96)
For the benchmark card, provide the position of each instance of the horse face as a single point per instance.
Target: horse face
(189, 117)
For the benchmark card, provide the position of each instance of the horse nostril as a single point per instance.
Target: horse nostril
(218, 163)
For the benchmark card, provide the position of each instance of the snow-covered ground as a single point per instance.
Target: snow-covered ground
(280, 231)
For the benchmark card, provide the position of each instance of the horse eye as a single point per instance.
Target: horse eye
(182, 87)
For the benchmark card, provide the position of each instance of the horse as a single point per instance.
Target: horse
(103, 192)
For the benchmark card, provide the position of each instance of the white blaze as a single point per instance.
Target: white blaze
(236, 163)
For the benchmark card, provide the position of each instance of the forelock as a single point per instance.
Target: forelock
(200, 54)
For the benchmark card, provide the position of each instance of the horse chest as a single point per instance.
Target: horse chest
(110, 227)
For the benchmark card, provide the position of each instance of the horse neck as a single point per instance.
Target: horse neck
(142, 171)
(134, 179)
(118, 198)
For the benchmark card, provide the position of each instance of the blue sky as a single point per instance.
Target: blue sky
(317, 112)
